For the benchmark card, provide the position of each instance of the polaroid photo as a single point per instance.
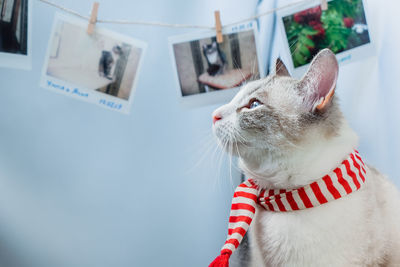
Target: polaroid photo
(15, 34)
(343, 28)
(101, 68)
(207, 72)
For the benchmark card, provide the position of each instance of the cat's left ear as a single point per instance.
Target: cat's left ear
(319, 83)
(280, 68)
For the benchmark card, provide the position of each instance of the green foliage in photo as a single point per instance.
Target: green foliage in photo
(311, 30)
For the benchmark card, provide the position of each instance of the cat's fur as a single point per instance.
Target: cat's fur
(215, 58)
(291, 140)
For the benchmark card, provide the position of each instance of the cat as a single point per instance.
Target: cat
(108, 61)
(288, 133)
(215, 58)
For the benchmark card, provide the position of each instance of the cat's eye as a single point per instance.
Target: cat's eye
(253, 103)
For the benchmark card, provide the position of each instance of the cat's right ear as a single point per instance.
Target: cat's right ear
(280, 68)
(319, 83)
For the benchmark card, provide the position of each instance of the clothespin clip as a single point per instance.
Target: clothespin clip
(218, 26)
(324, 5)
(93, 18)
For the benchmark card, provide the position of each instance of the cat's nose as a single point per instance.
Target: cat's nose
(216, 118)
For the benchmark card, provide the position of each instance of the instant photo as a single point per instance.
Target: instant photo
(207, 71)
(15, 37)
(343, 28)
(101, 68)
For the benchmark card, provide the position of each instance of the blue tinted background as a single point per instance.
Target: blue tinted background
(84, 186)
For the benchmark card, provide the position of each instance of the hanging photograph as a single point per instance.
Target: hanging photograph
(207, 71)
(101, 68)
(343, 28)
(15, 34)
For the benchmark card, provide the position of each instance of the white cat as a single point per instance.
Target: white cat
(288, 133)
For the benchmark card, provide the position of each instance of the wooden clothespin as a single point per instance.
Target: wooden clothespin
(218, 26)
(324, 5)
(93, 18)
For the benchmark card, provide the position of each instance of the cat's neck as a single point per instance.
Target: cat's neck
(307, 163)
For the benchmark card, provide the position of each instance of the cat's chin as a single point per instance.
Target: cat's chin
(257, 161)
(266, 176)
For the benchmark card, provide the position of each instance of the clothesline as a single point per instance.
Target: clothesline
(172, 25)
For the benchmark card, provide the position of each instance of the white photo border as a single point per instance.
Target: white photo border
(17, 61)
(84, 94)
(214, 97)
(355, 54)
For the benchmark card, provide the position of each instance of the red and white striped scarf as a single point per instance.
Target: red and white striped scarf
(343, 180)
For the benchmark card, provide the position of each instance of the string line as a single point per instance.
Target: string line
(172, 25)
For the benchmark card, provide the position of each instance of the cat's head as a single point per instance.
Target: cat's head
(210, 48)
(275, 115)
(117, 49)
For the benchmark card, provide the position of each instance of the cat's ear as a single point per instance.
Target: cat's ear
(319, 83)
(280, 68)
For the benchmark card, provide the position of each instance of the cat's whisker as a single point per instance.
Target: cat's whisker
(291, 54)
(237, 149)
(232, 145)
(230, 163)
(236, 66)
(218, 148)
(216, 145)
(253, 70)
(221, 157)
(235, 165)
(204, 155)
(215, 159)
(207, 145)
(206, 139)
(241, 140)
(230, 142)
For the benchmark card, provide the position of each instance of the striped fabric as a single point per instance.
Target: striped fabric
(343, 180)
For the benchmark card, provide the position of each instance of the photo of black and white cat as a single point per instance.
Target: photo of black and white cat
(216, 59)
(107, 62)
(101, 67)
(203, 65)
(14, 33)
